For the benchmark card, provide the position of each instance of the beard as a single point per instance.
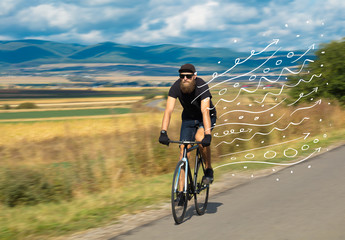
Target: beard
(187, 87)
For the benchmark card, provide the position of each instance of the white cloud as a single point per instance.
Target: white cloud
(202, 17)
(91, 37)
(218, 23)
(67, 16)
(5, 38)
(210, 16)
(298, 23)
(143, 34)
(45, 16)
(97, 2)
(7, 6)
(203, 23)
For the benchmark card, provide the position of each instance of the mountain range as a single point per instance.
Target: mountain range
(26, 53)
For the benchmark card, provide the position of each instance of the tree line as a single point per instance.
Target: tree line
(326, 73)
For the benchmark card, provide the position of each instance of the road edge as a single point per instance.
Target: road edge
(150, 214)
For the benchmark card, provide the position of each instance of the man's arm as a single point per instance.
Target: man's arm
(167, 113)
(205, 106)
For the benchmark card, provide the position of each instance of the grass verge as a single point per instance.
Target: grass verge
(50, 220)
(99, 209)
(63, 113)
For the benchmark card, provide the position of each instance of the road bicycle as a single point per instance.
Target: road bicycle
(185, 187)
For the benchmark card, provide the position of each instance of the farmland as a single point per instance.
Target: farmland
(98, 156)
(8, 94)
(63, 113)
(72, 103)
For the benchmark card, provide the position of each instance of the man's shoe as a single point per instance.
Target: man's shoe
(180, 199)
(208, 178)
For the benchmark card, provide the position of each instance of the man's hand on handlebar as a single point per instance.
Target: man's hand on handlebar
(206, 141)
(163, 138)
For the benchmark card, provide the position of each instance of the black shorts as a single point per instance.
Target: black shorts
(190, 127)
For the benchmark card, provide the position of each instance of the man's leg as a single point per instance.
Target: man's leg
(182, 176)
(187, 132)
(205, 151)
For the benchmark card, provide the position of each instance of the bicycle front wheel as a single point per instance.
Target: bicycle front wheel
(179, 199)
(201, 189)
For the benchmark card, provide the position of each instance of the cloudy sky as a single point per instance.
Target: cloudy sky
(237, 24)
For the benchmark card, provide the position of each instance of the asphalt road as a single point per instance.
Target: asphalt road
(155, 103)
(308, 202)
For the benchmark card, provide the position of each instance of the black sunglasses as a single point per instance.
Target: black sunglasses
(189, 76)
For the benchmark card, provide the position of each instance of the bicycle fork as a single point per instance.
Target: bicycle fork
(185, 163)
(187, 173)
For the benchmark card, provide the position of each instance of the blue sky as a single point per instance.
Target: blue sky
(240, 25)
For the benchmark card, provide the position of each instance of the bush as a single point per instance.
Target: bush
(149, 96)
(6, 107)
(30, 187)
(329, 71)
(27, 105)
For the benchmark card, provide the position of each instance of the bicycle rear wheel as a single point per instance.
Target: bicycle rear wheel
(179, 199)
(202, 190)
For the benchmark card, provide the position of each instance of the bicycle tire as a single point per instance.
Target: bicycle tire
(201, 189)
(178, 210)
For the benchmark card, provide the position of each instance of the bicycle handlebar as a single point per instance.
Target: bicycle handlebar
(184, 142)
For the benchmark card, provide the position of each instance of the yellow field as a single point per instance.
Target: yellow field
(14, 134)
(9, 80)
(76, 103)
(115, 165)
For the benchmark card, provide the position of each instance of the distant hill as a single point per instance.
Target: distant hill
(36, 52)
(25, 51)
(61, 49)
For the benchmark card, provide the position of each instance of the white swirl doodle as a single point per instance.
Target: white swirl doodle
(232, 131)
(260, 133)
(236, 77)
(272, 163)
(316, 103)
(311, 47)
(305, 147)
(238, 61)
(275, 154)
(251, 124)
(296, 152)
(269, 109)
(302, 95)
(293, 140)
(249, 156)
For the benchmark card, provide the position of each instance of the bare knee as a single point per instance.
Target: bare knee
(199, 136)
(181, 151)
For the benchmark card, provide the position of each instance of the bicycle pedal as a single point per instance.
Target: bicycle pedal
(206, 180)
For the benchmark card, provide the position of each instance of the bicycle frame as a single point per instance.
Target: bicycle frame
(187, 169)
(185, 187)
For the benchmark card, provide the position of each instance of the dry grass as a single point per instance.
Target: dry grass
(129, 143)
(120, 147)
(70, 101)
(101, 159)
(31, 79)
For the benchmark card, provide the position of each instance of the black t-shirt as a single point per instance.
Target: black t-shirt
(192, 109)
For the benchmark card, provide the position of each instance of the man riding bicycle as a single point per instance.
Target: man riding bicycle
(198, 116)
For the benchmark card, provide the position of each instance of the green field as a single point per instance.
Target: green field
(63, 113)
(10, 94)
